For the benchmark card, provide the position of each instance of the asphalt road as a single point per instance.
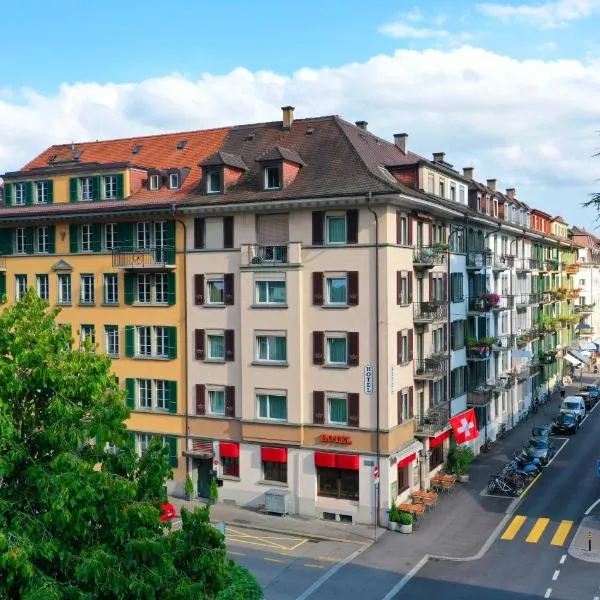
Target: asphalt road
(529, 559)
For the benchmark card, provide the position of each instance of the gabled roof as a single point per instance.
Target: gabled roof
(280, 153)
(224, 159)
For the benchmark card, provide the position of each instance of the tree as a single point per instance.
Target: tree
(78, 521)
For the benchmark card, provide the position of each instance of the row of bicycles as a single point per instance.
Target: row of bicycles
(515, 476)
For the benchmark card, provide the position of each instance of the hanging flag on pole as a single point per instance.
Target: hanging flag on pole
(464, 426)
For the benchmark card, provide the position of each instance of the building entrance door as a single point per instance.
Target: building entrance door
(204, 466)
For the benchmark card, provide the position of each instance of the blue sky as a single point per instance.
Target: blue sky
(510, 88)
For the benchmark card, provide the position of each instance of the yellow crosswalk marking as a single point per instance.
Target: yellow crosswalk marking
(561, 533)
(537, 530)
(511, 531)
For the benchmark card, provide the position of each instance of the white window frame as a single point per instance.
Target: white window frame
(332, 277)
(86, 294)
(404, 404)
(403, 288)
(442, 187)
(461, 194)
(335, 336)
(403, 230)
(211, 394)
(160, 284)
(144, 398)
(272, 169)
(143, 341)
(143, 235)
(210, 188)
(20, 194)
(88, 332)
(270, 395)
(142, 442)
(174, 181)
(86, 188)
(65, 290)
(112, 340)
(111, 288)
(161, 341)
(42, 240)
(270, 347)
(212, 281)
(209, 347)
(43, 286)
(268, 293)
(143, 288)
(154, 183)
(110, 236)
(404, 349)
(161, 394)
(20, 242)
(328, 399)
(86, 233)
(42, 192)
(453, 191)
(110, 187)
(20, 285)
(431, 183)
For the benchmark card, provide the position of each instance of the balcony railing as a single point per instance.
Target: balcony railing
(507, 302)
(536, 298)
(154, 257)
(552, 265)
(504, 382)
(432, 368)
(584, 309)
(478, 352)
(489, 301)
(427, 257)
(504, 343)
(429, 312)
(480, 396)
(270, 255)
(523, 373)
(479, 260)
(523, 264)
(522, 300)
(433, 421)
(502, 261)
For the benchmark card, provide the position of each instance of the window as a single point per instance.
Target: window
(110, 187)
(144, 387)
(143, 234)
(154, 182)
(437, 457)
(144, 288)
(274, 471)
(272, 178)
(20, 193)
(271, 348)
(456, 287)
(402, 235)
(496, 207)
(458, 382)
(431, 183)
(272, 406)
(87, 289)
(213, 182)
(143, 442)
(64, 288)
(86, 238)
(231, 466)
(88, 335)
(42, 192)
(111, 340)
(337, 483)
(154, 394)
(110, 236)
(404, 478)
(461, 194)
(337, 350)
(144, 341)
(42, 239)
(337, 290)
(162, 394)
(152, 288)
(452, 191)
(87, 188)
(216, 346)
(111, 288)
(161, 340)
(42, 286)
(271, 292)
(442, 192)
(404, 406)
(403, 354)
(337, 410)
(20, 241)
(457, 335)
(20, 286)
(335, 226)
(174, 181)
(403, 292)
(215, 291)
(216, 402)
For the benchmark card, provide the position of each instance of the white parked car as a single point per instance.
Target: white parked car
(575, 405)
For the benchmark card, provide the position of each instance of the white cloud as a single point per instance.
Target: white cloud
(531, 124)
(548, 47)
(398, 29)
(547, 14)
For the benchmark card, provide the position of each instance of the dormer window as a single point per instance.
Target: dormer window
(154, 182)
(272, 178)
(174, 181)
(20, 194)
(214, 182)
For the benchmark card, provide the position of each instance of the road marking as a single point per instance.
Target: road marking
(591, 508)
(562, 559)
(267, 541)
(537, 530)
(329, 559)
(276, 560)
(548, 592)
(556, 574)
(313, 566)
(236, 553)
(513, 528)
(561, 533)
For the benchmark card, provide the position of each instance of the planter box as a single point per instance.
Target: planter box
(406, 528)
(463, 478)
(394, 526)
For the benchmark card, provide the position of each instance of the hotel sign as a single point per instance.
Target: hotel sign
(574, 268)
(335, 438)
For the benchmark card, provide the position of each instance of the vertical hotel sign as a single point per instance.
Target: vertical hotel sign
(368, 379)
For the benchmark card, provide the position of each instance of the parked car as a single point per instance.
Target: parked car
(574, 404)
(565, 423)
(167, 512)
(539, 447)
(588, 401)
(590, 394)
(541, 431)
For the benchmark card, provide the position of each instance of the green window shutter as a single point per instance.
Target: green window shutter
(73, 189)
(51, 239)
(173, 397)
(129, 281)
(96, 237)
(172, 445)
(129, 340)
(170, 242)
(171, 288)
(74, 238)
(6, 241)
(29, 193)
(172, 333)
(29, 233)
(8, 194)
(96, 187)
(130, 392)
(120, 186)
(132, 439)
(50, 191)
(125, 235)
(2, 286)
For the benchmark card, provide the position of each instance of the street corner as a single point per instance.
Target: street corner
(585, 544)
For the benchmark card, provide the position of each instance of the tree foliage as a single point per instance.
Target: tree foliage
(76, 520)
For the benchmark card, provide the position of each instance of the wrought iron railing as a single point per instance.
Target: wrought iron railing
(504, 342)
(430, 368)
(430, 311)
(268, 254)
(434, 420)
(480, 396)
(429, 256)
(502, 261)
(143, 258)
(479, 259)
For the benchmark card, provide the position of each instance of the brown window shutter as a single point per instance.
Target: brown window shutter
(318, 408)
(230, 401)
(317, 288)
(411, 408)
(228, 232)
(228, 285)
(398, 227)
(318, 347)
(353, 410)
(318, 221)
(353, 349)
(399, 403)
(229, 345)
(199, 350)
(199, 233)
(431, 290)
(198, 290)
(445, 286)
(200, 399)
(398, 287)
(399, 347)
(352, 226)
(410, 231)
(410, 344)
(352, 288)
(410, 287)
(445, 336)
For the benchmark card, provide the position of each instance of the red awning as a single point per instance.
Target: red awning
(440, 439)
(229, 449)
(324, 459)
(347, 461)
(278, 455)
(406, 461)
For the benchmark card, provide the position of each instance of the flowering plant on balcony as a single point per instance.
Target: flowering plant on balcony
(479, 348)
(488, 300)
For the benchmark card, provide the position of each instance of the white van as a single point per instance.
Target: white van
(575, 405)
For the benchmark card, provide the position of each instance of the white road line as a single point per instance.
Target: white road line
(591, 508)
(548, 592)
(562, 559)
(556, 574)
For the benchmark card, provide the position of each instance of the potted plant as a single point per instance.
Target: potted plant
(441, 247)
(406, 522)
(188, 488)
(394, 518)
(459, 459)
(214, 491)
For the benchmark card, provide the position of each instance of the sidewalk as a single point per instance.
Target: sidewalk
(579, 547)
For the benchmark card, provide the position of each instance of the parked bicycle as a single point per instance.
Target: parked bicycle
(502, 485)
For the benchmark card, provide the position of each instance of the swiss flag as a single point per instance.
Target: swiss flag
(464, 426)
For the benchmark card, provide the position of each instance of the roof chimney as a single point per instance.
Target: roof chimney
(438, 157)
(288, 116)
(400, 141)
(491, 183)
(361, 124)
(510, 192)
(468, 172)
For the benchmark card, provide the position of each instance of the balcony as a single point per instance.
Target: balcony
(552, 265)
(523, 265)
(522, 300)
(427, 257)
(584, 309)
(153, 258)
(504, 382)
(507, 302)
(433, 421)
(536, 298)
(504, 343)
(430, 312)
(432, 368)
(479, 260)
(257, 256)
(523, 373)
(502, 262)
(486, 302)
(478, 351)
(480, 396)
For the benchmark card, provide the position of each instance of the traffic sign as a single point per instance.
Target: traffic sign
(376, 474)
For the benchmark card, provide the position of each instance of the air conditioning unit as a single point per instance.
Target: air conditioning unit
(277, 502)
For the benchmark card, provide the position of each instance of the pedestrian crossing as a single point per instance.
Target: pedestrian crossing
(533, 530)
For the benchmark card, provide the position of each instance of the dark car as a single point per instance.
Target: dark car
(539, 447)
(541, 431)
(590, 394)
(565, 423)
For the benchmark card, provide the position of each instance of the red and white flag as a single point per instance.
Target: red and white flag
(464, 426)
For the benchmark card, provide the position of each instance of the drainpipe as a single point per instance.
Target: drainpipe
(185, 335)
(377, 395)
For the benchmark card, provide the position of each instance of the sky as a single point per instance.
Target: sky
(509, 88)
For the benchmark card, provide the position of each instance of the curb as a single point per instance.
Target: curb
(589, 523)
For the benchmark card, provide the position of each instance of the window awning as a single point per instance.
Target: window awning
(278, 455)
(406, 461)
(338, 461)
(440, 439)
(576, 358)
(229, 450)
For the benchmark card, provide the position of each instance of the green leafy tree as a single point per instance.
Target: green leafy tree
(77, 521)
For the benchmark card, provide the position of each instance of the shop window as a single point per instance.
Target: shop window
(337, 483)
(437, 457)
(275, 471)
(404, 478)
(231, 466)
